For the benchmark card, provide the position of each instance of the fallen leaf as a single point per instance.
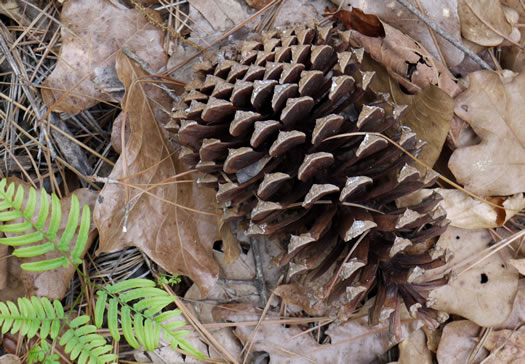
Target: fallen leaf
(428, 114)
(467, 212)
(483, 22)
(14, 284)
(517, 315)
(92, 33)
(9, 359)
(406, 61)
(458, 340)
(258, 4)
(223, 15)
(413, 350)
(493, 106)
(506, 346)
(484, 293)
(232, 250)
(354, 339)
(177, 239)
(355, 18)
(443, 12)
(519, 264)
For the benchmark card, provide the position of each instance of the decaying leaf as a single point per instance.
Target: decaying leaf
(443, 12)
(223, 15)
(466, 212)
(484, 22)
(176, 238)
(517, 315)
(413, 350)
(9, 359)
(14, 287)
(232, 250)
(458, 341)
(406, 61)
(428, 114)
(484, 293)
(92, 33)
(354, 339)
(493, 105)
(506, 346)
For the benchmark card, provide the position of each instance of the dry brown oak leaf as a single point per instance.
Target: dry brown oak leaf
(493, 105)
(159, 222)
(406, 61)
(92, 33)
(354, 339)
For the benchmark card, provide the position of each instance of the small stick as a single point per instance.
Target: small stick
(438, 29)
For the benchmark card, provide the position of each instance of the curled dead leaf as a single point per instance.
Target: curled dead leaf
(406, 61)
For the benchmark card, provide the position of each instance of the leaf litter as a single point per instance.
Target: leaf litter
(175, 222)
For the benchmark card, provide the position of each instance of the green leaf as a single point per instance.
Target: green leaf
(130, 284)
(83, 235)
(71, 227)
(45, 265)
(31, 204)
(127, 329)
(23, 239)
(113, 319)
(44, 209)
(78, 321)
(142, 292)
(100, 307)
(34, 251)
(17, 228)
(56, 217)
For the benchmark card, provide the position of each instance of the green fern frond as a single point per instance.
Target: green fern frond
(30, 237)
(40, 315)
(146, 324)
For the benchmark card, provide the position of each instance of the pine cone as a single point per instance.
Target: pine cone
(279, 125)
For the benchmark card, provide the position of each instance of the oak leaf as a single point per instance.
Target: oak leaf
(458, 341)
(493, 106)
(506, 346)
(485, 292)
(92, 33)
(175, 224)
(354, 339)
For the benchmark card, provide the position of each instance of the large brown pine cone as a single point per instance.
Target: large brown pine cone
(260, 121)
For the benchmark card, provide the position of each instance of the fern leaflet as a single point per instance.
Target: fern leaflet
(29, 235)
